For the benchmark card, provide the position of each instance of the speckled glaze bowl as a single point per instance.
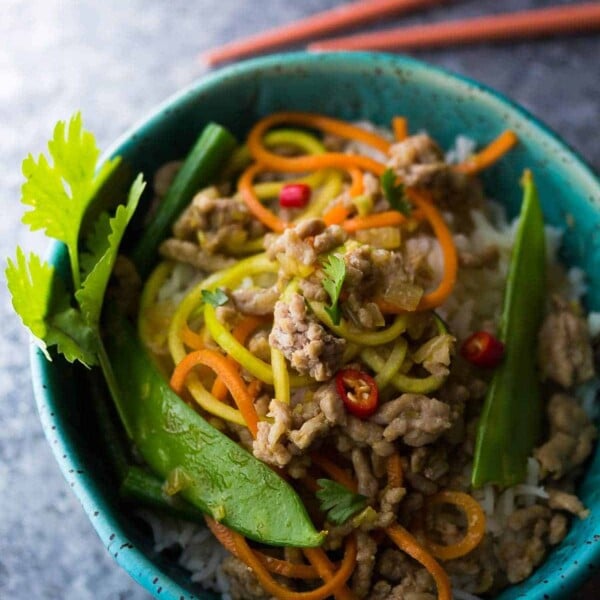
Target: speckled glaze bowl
(350, 86)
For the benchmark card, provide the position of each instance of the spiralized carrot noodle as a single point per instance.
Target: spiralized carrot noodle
(382, 219)
(408, 544)
(475, 524)
(357, 187)
(274, 565)
(493, 152)
(249, 558)
(444, 236)
(320, 561)
(298, 164)
(255, 206)
(228, 373)
(395, 472)
(191, 339)
(400, 127)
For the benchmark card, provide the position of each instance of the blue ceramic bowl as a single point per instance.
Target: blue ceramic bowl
(350, 86)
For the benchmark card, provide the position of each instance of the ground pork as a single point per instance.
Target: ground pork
(367, 483)
(401, 578)
(365, 563)
(374, 271)
(298, 247)
(269, 445)
(243, 584)
(560, 500)
(416, 419)
(571, 437)
(258, 344)
(304, 341)
(486, 259)
(565, 351)
(363, 434)
(256, 301)
(419, 161)
(192, 254)
(216, 223)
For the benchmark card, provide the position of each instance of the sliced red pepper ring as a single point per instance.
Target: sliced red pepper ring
(358, 391)
(295, 195)
(483, 349)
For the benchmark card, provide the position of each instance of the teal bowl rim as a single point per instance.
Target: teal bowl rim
(143, 570)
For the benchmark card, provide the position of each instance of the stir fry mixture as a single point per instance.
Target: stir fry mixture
(333, 305)
(347, 363)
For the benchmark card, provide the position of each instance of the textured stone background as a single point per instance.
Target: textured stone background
(115, 60)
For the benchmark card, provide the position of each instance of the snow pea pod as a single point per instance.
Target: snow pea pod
(511, 417)
(220, 477)
(211, 150)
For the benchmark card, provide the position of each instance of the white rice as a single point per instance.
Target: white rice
(462, 149)
(201, 553)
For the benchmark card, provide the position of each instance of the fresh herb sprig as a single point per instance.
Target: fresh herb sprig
(338, 501)
(59, 189)
(215, 298)
(395, 193)
(335, 274)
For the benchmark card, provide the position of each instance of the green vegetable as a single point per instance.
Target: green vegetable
(226, 482)
(141, 487)
(202, 164)
(394, 192)
(338, 501)
(511, 417)
(215, 298)
(335, 273)
(59, 194)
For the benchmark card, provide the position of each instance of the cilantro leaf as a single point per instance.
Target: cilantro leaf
(103, 244)
(335, 273)
(59, 193)
(59, 188)
(338, 501)
(216, 298)
(395, 193)
(42, 302)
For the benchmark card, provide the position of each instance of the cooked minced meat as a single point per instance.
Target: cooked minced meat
(565, 350)
(572, 435)
(417, 419)
(256, 301)
(304, 341)
(301, 245)
(216, 223)
(419, 162)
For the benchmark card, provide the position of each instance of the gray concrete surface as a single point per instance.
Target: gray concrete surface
(114, 60)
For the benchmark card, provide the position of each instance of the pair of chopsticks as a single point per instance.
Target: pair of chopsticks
(564, 19)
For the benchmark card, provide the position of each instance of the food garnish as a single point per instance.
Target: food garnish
(294, 195)
(358, 391)
(482, 349)
(335, 273)
(215, 298)
(510, 422)
(394, 192)
(60, 189)
(338, 501)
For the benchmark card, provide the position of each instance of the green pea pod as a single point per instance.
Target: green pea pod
(202, 164)
(221, 478)
(510, 421)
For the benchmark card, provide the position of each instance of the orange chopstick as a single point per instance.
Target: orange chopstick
(323, 23)
(523, 24)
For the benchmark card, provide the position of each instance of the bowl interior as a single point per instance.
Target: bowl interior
(350, 86)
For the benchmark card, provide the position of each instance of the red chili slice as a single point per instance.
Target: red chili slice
(358, 391)
(483, 349)
(294, 195)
